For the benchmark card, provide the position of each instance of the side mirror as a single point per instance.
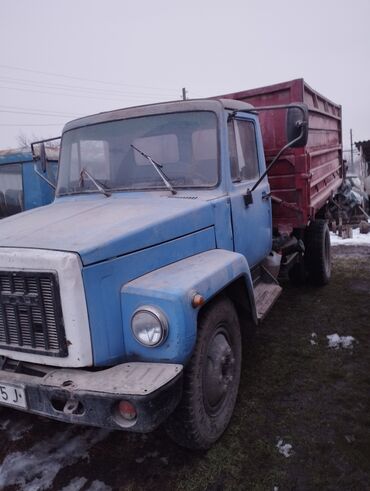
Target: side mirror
(39, 154)
(297, 125)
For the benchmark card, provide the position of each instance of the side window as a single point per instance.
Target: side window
(11, 189)
(234, 168)
(246, 147)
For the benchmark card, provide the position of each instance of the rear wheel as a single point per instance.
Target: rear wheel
(211, 379)
(317, 254)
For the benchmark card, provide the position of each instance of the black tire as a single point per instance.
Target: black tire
(211, 379)
(317, 254)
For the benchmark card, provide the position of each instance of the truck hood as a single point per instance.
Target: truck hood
(100, 228)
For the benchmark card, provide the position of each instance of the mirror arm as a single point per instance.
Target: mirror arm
(44, 178)
(277, 157)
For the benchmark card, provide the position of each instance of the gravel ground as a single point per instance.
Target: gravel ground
(302, 420)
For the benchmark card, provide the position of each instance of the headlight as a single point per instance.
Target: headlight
(150, 326)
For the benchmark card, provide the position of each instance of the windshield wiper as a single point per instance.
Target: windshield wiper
(158, 168)
(98, 186)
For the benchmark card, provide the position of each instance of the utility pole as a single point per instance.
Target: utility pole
(350, 132)
(184, 92)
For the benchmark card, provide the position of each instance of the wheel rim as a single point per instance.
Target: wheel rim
(219, 372)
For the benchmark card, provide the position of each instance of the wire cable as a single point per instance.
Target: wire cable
(33, 124)
(39, 114)
(78, 96)
(78, 88)
(104, 82)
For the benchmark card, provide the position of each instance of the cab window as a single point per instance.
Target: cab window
(243, 151)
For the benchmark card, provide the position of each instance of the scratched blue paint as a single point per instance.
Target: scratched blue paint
(36, 192)
(222, 219)
(101, 228)
(252, 225)
(152, 248)
(15, 156)
(103, 283)
(171, 289)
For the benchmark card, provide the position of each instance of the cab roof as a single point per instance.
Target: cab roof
(216, 105)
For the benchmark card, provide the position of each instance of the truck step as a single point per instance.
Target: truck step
(266, 292)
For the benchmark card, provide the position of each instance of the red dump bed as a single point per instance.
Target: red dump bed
(303, 177)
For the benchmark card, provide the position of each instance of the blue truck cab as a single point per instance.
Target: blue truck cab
(21, 186)
(123, 302)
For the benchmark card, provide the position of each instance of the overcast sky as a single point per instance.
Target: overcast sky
(66, 58)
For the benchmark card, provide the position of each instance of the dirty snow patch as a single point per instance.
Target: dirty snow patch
(284, 448)
(76, 484)
(99, 486)
(313, 339)
(335, 341)
(150, 455)
(358, 239)
(4, 424)
(36, 468)
(18, 430)
(79, 482)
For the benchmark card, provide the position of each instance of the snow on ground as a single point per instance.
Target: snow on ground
(16, 430)
(284, 448)
(335, 341)
(76, 484)
(358, 239)
(99, 486)
(36, 468)
(79, 482)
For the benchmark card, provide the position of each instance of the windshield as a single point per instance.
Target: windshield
(184, 144)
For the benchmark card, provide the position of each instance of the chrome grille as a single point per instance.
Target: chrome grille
(30, 313)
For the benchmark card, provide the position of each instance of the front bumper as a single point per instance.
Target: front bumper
(92, 397)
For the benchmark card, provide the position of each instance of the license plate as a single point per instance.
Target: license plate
(12, 396)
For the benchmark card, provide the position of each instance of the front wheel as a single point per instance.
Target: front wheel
(211, 379)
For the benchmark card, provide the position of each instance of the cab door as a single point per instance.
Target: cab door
(252, 223)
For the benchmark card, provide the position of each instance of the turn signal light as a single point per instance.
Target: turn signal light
(127, 410)
(197, 300)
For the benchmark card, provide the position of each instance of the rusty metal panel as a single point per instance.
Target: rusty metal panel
(304, 177)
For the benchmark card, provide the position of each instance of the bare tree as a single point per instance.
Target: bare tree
(24, 141)
(51, 147)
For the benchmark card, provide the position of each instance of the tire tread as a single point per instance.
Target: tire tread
(182, 425)
(315, 258)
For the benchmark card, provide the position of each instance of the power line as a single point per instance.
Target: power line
(104, 82)
(78, 96)
(33, 124)
(2, 106)
(52, 85)
(142, 99)
(36, 113)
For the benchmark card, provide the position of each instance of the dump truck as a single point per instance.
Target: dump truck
(124, 302)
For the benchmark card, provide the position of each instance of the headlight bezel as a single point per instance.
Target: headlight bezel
(157, 314)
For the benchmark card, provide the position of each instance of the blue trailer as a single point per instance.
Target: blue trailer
(123, 302)
(22, 186)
